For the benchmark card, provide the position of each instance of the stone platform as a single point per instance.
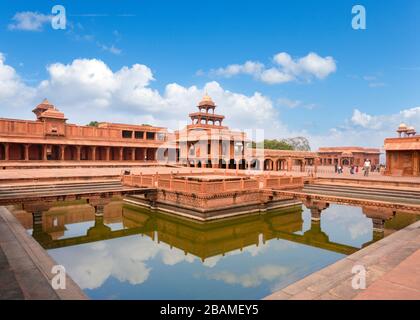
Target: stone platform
(212, 195)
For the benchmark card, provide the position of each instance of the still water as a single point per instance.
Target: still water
(132, 253)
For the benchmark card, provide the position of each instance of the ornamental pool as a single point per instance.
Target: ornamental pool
(132, 253)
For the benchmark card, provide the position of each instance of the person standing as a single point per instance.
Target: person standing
(366, 167)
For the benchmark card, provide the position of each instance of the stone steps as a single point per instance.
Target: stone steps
(387, 195)
(408, 193)
(56, 190)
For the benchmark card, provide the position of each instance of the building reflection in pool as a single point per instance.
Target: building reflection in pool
(123, 251)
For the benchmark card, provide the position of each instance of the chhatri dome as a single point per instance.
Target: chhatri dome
(411, 131)
(206, 101)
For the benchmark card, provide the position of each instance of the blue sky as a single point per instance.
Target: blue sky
(371, 87)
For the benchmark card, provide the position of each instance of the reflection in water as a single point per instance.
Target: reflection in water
(125, 252)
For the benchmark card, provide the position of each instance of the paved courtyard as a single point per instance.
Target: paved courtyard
(86, 172)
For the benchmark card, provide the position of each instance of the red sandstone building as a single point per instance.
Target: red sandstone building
(206, 142)
(348, 156)
(403, 153)
(50, 137)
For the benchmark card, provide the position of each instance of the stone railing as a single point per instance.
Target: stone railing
(183, 184)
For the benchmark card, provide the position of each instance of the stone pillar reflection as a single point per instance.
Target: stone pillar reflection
(378, 224)
(37, 221)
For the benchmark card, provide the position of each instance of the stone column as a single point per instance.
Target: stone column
(145, 154)
(62, 152)
(44, 152)
(121, 156)
(26, 152)
(388, 162)
(93, 153)
(289, 164)
(99, 210)
(36, 222)
(107, 156)
(416, 169)
(315, 213)
(6, 151)
(133, 154)
(378, 224)
(78, 149)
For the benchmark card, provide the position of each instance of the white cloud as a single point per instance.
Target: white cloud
(361, 119)
(111, 49)
(127, 92)
(127, 259)
(388, 123)
(126, 96)
(13, 92)
(249, 67)
(377, 84)
(275, 76)
(254, 278)
(288, 103)
(87, 89)
(364, 129)
(286, 68)
(315, 65)
(29, 21)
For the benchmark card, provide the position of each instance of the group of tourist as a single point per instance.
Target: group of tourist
(367, 167)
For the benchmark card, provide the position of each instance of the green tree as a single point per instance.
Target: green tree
(272, 144)
(297, 143)
(93, 124)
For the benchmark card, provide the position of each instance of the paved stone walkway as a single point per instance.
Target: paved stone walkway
(392, 272)
(25, 267)
(9, 287)
(402, 282)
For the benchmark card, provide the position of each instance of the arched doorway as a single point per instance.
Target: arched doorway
(268, 164)
(345, 162)
(281, 164)
(255, 164)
